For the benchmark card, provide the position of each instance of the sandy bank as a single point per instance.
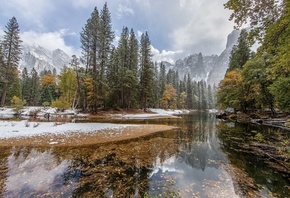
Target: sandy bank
(80, 138)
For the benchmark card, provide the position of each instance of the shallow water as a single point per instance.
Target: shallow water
(201, 159)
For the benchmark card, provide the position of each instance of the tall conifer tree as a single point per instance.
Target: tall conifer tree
(34, 88)
(131, 73)
(189, 93)
(106, 38)
(146, 70)
(90, 40)
(240, 53)
(11, 51)
(25, 84)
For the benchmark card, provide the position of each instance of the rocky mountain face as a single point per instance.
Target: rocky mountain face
(40, 59)
(209, 68)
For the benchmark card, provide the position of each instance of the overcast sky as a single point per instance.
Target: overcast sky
(176, 28)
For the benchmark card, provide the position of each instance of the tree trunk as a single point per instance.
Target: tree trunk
(4, 94)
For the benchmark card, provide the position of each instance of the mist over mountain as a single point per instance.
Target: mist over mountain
(209, 68)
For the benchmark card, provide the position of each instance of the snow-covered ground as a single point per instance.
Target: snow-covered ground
(39, 111)
(24, 128)
(12, 129)
(155, 113)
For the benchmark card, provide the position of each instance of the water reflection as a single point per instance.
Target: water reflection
(188, 162)
(256, 176)
(33, 172)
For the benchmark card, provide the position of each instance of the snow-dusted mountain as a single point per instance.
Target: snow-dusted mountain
(209, 68)
(43, 59)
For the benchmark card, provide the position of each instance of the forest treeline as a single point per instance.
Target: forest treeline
(105, 76)
(259, 81)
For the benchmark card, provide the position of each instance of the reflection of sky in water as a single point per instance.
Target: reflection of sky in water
(196, 169)
(210, 182)
(35, 172)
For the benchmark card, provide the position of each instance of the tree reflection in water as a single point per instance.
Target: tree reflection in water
(196, 160)
(251, 171)
(119, 170)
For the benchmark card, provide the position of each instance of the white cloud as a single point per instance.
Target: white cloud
(31, 10)
(1, 32)
(83, 3)
(139, 33)
(116, 40)
(125, 10)
(189, 25)
(204, 29)
(169, 56)
(49, 40)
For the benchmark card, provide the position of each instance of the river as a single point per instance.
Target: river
(202, 158)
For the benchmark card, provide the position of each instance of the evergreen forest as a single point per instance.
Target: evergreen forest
(104, 77)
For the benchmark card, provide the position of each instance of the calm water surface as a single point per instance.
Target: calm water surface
(197, 160)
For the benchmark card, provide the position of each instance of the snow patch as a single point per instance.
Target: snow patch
(155, 113)
(21, 129)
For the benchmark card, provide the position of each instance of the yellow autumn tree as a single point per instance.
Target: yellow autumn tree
(48, 79)
(68, 84)
(229, 93)
(169, 98)
(88, 81)
(182, 100)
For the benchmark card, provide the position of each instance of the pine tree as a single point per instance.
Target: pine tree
(146, 70)
(181, 95)
(133, 52)
(156, 89)
(170, 77)
(123, 62)
(162, 78)
(46, 96)
(130, 71)
(133, 67)
(199, 95)
(195, 94)
(34, 88)
(25, 85)
(96, 43)
(106, 38)
(189, 93)
(2, 72)
(85, 45)
(203, 93)
(11, 52)
(14, 90)
(113, 80)
(240, 53)
(90, 40)
(210, 97)
(93, 65)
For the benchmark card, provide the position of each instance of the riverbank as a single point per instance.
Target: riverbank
(34, 128)
(269, 140)
(280, 120)
(74, 137)
(51, 114)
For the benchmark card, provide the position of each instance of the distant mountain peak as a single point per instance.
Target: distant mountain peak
(208, 68)
(40, 58)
